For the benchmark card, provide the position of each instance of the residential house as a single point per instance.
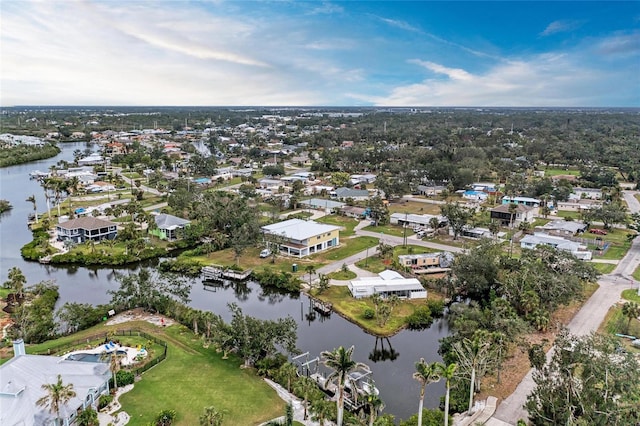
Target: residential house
(527, 201)
(521, 213)
(86, 228)
(270, 184)
(582, 193)
(22, 378)
(578, 205)
(352, 211)
(416, 221)
(322, 204)
(387, 284)
(304, 237)
(168, 226)
(437, 260)
(475, 233)
(91, 160)
(563, 227)
(430, 190)
(354, 194)
(366, 178)
(541, 238)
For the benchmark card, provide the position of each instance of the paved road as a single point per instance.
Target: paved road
(587, 320)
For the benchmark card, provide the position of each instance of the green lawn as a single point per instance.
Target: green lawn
(394, 230)
(549, 172)
(631, 294)
(347, 223)
(190, 379)
(415, 207)
(376, 264)
(354, 309)
(565, 213)
(347, 247)
(604, 268)
(342, 275)
(636, 274)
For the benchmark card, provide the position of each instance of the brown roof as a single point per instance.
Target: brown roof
(86, 223)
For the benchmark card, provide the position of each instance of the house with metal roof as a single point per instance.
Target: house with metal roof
(86, 228)
(527, 201)
(540, 238)
(387, 284)
(563, 227)
(304, 237)
(21, 380)
(354, 194)
(168, 226)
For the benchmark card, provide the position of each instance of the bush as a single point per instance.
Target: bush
(368, 313)
(182, 266)
(420, 318)
(125, 377)
(280, 280)
(165, 418)
(436, 307)
(104, 400)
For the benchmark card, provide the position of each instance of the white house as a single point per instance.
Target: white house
(415, 220)
(304, 237)
(387, 284)
(22, 377)
(540, 238)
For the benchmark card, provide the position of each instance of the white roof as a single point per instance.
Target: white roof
(298, 229)
(388, 274)
(382, 285)
(22, 377)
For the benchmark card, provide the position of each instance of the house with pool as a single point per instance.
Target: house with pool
(303, 237)
(22, 377)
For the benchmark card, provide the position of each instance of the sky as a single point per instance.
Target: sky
(313, 53)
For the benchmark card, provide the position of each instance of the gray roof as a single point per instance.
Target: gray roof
(86, 223)
(565, 225)
(167, 221)
(298, 229)
(348, 192)
(21, 380)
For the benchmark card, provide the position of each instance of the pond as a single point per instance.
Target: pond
(391, 359)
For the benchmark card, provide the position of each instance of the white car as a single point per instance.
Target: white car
(265, 253)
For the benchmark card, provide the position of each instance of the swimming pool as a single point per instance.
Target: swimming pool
(87, 357)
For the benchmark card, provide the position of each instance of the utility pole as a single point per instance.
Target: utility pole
(404, 236)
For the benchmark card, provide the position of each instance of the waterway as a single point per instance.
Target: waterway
(391, 360)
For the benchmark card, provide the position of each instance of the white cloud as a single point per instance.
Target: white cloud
(545, 80)
(561, 26)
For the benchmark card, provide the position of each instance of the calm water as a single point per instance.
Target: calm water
(391, 360)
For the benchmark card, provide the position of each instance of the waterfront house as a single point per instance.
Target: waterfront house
(304, 237)
(387, 283)
(527, 201)
(86, 228)
(168, 226)
(22, 377)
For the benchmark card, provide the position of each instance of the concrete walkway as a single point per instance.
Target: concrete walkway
(108, 417)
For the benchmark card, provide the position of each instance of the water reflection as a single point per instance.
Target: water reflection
(383, 353)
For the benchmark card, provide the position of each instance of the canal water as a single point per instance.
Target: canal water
(392, 360)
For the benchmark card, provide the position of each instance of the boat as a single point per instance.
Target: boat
(37, 174)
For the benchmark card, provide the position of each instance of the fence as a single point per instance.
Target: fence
(109, 335)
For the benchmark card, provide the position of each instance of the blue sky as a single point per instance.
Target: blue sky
(349, 53)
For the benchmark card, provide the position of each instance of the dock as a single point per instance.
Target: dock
(323, 308)
(218, 273)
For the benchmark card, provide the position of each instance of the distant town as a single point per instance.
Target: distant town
(515, 227)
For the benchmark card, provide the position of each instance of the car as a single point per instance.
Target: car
(598, 231)
(265, 253)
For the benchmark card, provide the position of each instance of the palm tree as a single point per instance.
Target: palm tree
(287, 373)
(630, 310)
(320, 410)
(339, 360)
(32, 199)
(58, 394)
(374, 405)
(474, 356)
(211, 417)
(305, 386)
(447, 372)
(114, 365)
(425, 374)
(310, 269)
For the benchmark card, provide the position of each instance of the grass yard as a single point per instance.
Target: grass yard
(415, 207)
(636, 274)
(190, 379)
(353, 310)
(394, 230)
(549, 172)
(346, 223)
(346, 248)
(604, 268)
(376, 264)
(566, 213)
(632, 295)
(342, 275)
(616, 323)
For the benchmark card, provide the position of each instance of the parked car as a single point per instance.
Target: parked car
(598, 231)
(265, 253)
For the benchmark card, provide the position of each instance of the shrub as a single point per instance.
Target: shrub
(165, 418)
(436, 307)
(125, 377)
(368, 313)
(88, 417)
(104, 400)
(420, 318)
(182, 266)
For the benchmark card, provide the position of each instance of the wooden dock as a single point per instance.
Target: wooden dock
(217, 273)
(323, 308)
